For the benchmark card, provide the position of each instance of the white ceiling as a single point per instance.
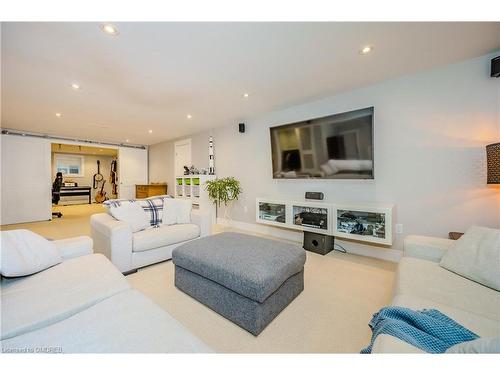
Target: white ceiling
(152, 75)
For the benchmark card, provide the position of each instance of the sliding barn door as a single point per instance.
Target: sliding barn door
(132, 170)
(26, 186)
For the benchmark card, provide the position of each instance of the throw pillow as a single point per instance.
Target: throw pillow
(176, 211)
(486, 345)
(476, 256)
(24, 253)
(170, 207)
(132, 214)
(184, 211)
(153, 207)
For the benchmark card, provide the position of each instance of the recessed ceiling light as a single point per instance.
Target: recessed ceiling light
(75, 86)
(101, 149)
(246, 95)
(366, 50)
(58, 114)
(189, 117)
(109, 29)
(126, 140)
(150, 131)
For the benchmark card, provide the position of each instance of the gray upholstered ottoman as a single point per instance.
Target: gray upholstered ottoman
(246, 279)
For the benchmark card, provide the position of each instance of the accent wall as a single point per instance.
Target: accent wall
(430, 132)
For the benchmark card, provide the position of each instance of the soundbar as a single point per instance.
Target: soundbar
(315, 195)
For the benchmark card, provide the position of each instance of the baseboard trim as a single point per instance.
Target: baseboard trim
(353, 247)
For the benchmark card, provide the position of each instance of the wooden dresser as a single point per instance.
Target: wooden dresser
(145, 191)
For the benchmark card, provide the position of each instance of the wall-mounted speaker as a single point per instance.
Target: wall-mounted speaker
(318, 243)
(495, 67)
(241, 127)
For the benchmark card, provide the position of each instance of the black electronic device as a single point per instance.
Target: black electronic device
(339, 146)
(241, 127)
(315, 195)
(311, 219)
(318, 243)
(495, 67)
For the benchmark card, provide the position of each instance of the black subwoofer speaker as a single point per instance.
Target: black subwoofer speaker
(318, 243)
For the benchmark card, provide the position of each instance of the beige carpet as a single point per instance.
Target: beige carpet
(330, 316)
(74, 222)
(342, 291)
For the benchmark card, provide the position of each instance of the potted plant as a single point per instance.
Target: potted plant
(223, 190)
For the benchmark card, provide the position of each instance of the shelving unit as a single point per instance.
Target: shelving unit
(294, 214)
(192, 187)
(368, 223)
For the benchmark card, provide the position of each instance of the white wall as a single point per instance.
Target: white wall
(430, 132)
(25, 179)
(161, 164)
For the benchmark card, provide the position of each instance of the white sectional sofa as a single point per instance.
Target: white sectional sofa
(85, 305)
(421, 283)
(129, 251)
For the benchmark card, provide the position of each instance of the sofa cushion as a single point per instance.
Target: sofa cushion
(164, 235)
(176, 211)
(389, 344)
(428, 280)
(127, 322)
(476, 256)
(423, 247)
(485, 345)
(50, 296)
(153, 207)
(23, 253)
(479, 324)
(132, 214)
(254, 267)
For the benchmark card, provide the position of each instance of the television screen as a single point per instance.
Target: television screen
(333, 147)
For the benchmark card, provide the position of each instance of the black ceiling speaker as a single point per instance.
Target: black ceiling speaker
(495, 67)
(241, 127)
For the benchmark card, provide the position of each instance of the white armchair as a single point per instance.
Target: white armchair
(74, 247)
(427, 248)
(129, 251)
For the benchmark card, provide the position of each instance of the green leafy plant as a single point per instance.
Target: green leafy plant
(223, 190)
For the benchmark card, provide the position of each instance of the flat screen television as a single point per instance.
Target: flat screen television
(339, 146)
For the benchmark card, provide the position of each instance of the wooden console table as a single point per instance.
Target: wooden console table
(145, 191)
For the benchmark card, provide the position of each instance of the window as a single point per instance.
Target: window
(69, 165)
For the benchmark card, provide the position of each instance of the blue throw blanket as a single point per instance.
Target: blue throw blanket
(428, 330)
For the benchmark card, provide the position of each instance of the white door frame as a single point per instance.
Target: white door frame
(182, 142)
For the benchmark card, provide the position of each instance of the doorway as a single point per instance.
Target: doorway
(182, 156)
(89, 174)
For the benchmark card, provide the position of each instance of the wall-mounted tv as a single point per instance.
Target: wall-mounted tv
(339, 146)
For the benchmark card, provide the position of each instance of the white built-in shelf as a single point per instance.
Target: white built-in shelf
(193, 187)
(369, 223)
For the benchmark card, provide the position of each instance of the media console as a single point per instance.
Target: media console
(369, 223)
